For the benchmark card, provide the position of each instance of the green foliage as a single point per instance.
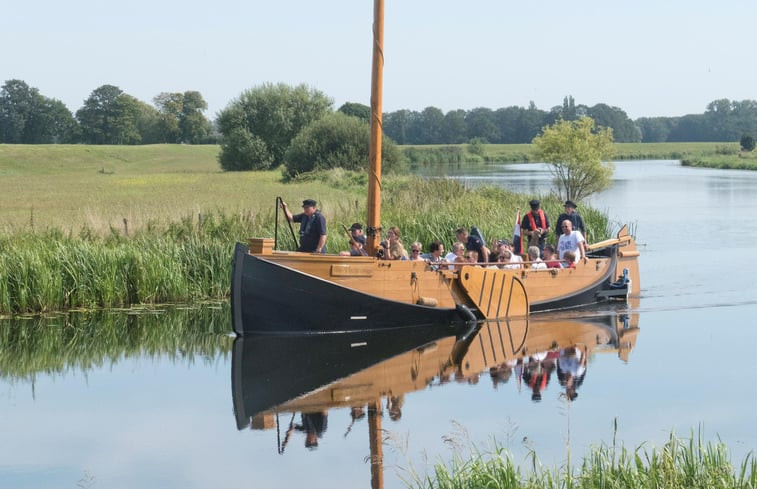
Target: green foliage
(747, 143)
(27, 117)
(109, 116)
(476, 146)
(361, 111)
(181, 118)
(258, 126)
(680, 464)
(337, 141)
(576, 151)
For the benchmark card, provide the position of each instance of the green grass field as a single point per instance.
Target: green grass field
(74, 186)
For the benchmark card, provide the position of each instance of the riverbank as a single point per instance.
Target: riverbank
(110, 227)
(706, 153)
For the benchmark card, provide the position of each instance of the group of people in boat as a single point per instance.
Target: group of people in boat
(469, 247)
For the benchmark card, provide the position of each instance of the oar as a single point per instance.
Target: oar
(280, 201)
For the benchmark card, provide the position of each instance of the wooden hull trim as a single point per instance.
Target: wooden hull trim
(269, 298)
(596, 292)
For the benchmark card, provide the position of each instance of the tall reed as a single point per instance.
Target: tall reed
(190, 259)
(682, 463)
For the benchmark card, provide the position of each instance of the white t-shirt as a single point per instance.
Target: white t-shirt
(570, 243)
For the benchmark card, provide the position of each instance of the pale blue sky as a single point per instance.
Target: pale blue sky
(650, 58)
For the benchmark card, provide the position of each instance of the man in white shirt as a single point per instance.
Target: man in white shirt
(571, 240)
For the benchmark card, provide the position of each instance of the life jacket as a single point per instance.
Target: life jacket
(532, 221)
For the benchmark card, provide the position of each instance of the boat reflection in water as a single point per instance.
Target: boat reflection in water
(370, 373)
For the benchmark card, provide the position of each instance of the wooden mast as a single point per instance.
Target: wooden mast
(373, 234)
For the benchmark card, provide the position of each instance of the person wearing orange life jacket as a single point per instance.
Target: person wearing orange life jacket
(535, 225)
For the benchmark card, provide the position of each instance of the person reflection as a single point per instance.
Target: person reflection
(537, 370)
(571, 369)
(314, 425)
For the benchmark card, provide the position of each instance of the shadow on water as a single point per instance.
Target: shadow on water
(275, 378)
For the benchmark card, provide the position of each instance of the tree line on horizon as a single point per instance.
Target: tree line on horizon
(111, 116)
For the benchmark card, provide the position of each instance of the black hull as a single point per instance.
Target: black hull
(601, 291)
(267, 371)
(268, 298)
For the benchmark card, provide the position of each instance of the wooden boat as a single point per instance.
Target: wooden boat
(359, 370)
(288, 292)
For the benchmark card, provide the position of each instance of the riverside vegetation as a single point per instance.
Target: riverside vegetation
(682, 463)
(110, 226)
(100, 227)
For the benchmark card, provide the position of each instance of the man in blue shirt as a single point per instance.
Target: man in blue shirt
(312, 226)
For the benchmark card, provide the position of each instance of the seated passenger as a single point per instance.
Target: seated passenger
(395, 250)
(533, 257)
(415, 251)
(569, 260)
(436, 253)
(456, 255)
(549, 257)
(357, 243)
(471, 256)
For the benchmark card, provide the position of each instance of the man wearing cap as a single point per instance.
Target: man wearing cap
(573, 216)
(357, 243)
(535, 225)
(312, 226)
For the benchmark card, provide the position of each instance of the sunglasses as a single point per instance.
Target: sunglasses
(416, 251)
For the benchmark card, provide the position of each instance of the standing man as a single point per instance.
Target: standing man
(572, 241)
(575, 218)
(535, 225)
(312, 226)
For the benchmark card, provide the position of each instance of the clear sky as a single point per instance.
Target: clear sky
(648, 57)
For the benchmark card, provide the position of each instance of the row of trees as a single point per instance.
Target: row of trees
(108, 116)
(509, 125)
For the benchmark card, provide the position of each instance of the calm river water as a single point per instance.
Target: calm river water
(169, 399)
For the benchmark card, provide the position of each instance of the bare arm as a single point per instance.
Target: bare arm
(287, 213)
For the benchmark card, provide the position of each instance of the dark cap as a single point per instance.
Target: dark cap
(534, 204)
(356, 225)
(570, 203)
(309, 203)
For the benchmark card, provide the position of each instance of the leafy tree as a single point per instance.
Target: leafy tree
(623, 128)
(356, 110)
(432, 124)
(258, 126)
(27, 117)
(110, 116)
(181, 119)
(396, 124)
(747, 143)
(480, 124)
(453, 127)
(170, 107)
(575, 151)
(337, 141)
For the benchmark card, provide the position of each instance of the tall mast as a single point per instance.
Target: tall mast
(374, 164)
